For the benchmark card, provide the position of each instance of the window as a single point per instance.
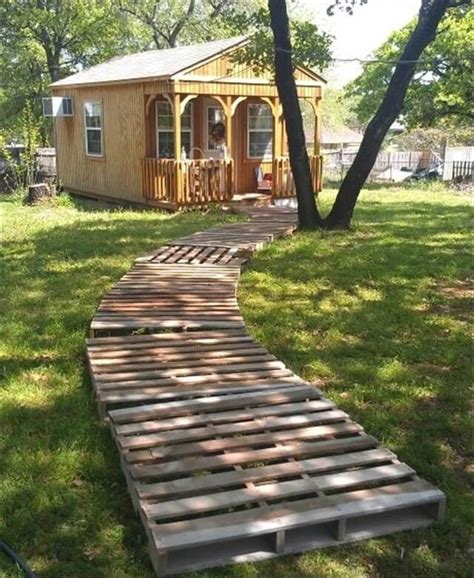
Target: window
(214, 114)
(165, 133)
(260, 131)
(93, 125)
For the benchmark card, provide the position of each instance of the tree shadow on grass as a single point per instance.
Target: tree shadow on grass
(342, 307)
(64, 503)
(369, 315)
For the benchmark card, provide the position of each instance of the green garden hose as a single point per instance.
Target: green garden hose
(5, 548)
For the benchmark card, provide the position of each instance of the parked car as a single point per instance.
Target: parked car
(433, 171)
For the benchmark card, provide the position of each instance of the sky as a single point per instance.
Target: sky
(358, 35)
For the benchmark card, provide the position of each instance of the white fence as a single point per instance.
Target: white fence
(398, 166)
(452, 159)
(389, 166)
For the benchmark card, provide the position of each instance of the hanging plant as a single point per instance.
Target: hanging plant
(217, 133)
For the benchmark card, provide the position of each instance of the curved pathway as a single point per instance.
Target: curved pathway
(228, 455)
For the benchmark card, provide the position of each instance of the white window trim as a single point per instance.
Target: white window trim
(158, 130)
(86, 128)
(249, 130)
(206, 120)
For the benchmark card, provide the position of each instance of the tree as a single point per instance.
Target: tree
(69, 32)
(338, 110)
(440, 92)
(42, 41)
(430, 15)
(308, 214)
(168, 23)
(311, 46)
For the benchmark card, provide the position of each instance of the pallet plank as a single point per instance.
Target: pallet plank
(219, 442)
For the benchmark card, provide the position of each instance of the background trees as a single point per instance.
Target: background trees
(168, 23)
(431, 14)
(44, 40)
(440, 93)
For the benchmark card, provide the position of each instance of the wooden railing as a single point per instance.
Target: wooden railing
(283, 184)
(187, 183)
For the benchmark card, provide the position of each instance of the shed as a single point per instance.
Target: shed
(177, 127)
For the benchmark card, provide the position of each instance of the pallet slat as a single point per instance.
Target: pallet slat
(220, 444)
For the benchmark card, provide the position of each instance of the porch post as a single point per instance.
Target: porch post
(228, 126)
(284, 140)
(277, 140)
(317, 127)
(178, 180)
(177, 126)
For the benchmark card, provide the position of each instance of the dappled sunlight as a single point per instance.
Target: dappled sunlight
(64, 477)
(376, 317)
(379, 316)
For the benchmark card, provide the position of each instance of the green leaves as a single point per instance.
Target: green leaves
(41, 41)
(440, 93)
(310, 46)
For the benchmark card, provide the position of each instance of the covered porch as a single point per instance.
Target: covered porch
(207, 148)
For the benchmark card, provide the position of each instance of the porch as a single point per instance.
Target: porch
(203, 181)
(203, 149)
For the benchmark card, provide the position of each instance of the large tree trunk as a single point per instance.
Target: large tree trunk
(308, 215)
(431, 12)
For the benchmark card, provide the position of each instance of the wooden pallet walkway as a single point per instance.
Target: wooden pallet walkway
(221, 445)
(157, 367)
(156, 296)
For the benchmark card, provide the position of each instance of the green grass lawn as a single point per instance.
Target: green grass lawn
(379, 316)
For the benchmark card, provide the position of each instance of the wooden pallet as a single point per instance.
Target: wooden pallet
(228, 455)
(240, 236)
(196, 255)
(246, 476)
(146, 368)
(163, 296)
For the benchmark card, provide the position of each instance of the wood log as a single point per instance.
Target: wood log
(39, 192)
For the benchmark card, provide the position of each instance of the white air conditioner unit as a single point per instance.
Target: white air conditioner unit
(58, 106)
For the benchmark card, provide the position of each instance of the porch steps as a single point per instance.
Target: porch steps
(227, 454)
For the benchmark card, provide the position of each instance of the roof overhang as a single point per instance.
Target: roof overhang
(186, 74)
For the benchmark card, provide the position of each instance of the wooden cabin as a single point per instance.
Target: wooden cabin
(178, 127)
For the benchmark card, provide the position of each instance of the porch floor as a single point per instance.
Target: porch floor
(222, 445)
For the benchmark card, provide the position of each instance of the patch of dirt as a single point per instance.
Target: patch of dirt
(461, 290)
(431, 368)
(460, 300)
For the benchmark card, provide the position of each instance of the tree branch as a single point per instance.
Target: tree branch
(457, 3)
(180, 24)
(218, 7)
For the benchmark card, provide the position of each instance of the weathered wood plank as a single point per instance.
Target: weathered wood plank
(287, 469)
(211, 403)
(225, 424)
(301, 513)
(224, 461)
(281, 490)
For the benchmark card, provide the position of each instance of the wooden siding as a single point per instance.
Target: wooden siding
(193, 85)
(129, 133)
(190, 86)
(225, 65)
(117, 174)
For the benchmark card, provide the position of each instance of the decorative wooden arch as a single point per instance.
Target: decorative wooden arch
(316, 106)
(149, 100)
(236, 102)
(184, 102)
(169, 98)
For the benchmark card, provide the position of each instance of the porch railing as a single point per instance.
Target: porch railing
(186, 183)
(283, 184)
